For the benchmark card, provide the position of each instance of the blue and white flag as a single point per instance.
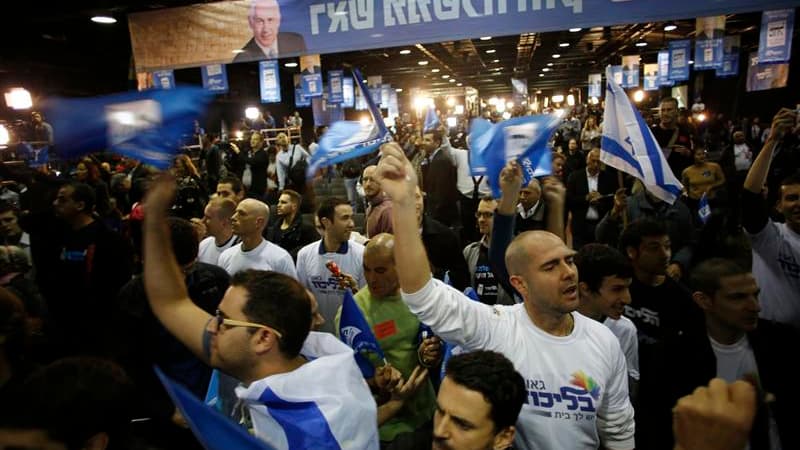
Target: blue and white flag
(703, 209)
(775, 39)
(523, 139)
(349, 139)
(212, 429)
(212, 394)
(629, 145)
(354, 330)
(147, 125)
(431, 120)
(324, 404)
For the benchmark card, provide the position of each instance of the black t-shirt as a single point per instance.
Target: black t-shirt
(485, 282)
(676, 161)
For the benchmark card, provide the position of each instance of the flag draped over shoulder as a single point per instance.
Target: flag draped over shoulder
(431, 120)
(354, 330)
(628, 144)
(521, 138)
(349, 139)
(147, 125)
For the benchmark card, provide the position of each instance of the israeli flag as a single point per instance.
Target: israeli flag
(522, 138)
(431, 120)
(704, 210)
(147, 125)
(348, 139)
(629, 145)
(354, 330)
(324, 404)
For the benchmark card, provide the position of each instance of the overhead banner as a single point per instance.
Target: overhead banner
(651, 77)
(519, 91)
(630, 71)
(300, 98)
(730, 57)
(708, 47)
(325, 112)
(761, 77)
(269, 81)
(311, 75)
(253, 30)
(595, 85)
(374, 83)
(616, 73)
(215, 78)
(663, 69)
(335, 87)
(164, 79)
(386, 94)
(679, 60)
(775, 43)
(348, 96)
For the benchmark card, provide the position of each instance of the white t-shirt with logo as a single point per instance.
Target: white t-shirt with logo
(267, 256)
(577, 384)
(776, 267)
(210, 252)
(625, 331)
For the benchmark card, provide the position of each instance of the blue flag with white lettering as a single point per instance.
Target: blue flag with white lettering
(703, 209)
(356, 333)
(147, 125)
(348, 139)
(212, 429)
(523, 139)
(431, 120)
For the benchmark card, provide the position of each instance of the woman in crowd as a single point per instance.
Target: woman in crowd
(87, 171)
(591, 131)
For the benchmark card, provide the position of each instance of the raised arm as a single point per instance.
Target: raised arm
(163, 278)
(554, 195)
(503, 228)
(757, 175)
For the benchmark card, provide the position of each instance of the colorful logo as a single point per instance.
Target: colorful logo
(586, 382)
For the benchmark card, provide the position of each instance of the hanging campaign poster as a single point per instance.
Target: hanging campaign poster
(374, 84)
(663, 69)
(386, 94)
(335, 88)
(651, 77)
(730, 57)
(595, 85)
(679, 60)
(630, 71)
(761, 77)
(164, 79)
(708, 47)
(616, 73)
(775, 43)
(300, 98)
(215, 78)
(269, 81)
(325, 112)
(348, 96)
(311, 75)
(519, 91)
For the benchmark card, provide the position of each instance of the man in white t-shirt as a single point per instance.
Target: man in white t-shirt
(336, 219)
(574, 368)
(254, 252)
(217, 220)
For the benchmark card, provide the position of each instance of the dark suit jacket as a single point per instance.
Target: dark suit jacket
(439, 184)
(288, 43)
(578, 187)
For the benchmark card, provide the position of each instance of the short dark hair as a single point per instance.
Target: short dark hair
(669, 100)
(595, 262)
(82, 192)
(297, 199)
(637, 230)
(234, 181)
(184, 240)
(437, 135)
(706, 276)
(6, 206)
(327, 209)
(494, 376)
(280, 302)
(791, 179)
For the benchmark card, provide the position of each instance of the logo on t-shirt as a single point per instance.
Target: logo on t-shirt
(573, 402)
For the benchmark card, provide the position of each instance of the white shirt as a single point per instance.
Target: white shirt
(560, 412)
(743, 157)
(270, 52)
(526, 214)
(592, 213)
(776, 267)
(209, 251)
(313, 274)
(625, 331)
(267, 256)
(464, 179)
(312, 148)
(282, 161)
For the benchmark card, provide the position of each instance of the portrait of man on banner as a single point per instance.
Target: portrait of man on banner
(712, 27)
(268, 42)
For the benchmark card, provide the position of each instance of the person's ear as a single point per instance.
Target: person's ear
(583, 290)
(520, 285)
(263, 340)
(504, 438)
(631, 252)
(702, 300)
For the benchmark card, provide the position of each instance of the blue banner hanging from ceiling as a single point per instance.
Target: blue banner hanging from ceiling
(630, 71)
(595, 83)
(730, 57)
(663, 69)
(269, 81)
(708, 48)
(348, 96)
(235, 31)
(335, 87)
(616, 74)
(215, 78)
(300, 98)
(164, 79)
(679, 60)
(775, 43)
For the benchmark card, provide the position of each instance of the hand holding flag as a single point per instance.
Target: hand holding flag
(355, 331)
(704, 210)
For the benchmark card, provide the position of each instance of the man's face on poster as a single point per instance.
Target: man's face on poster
(265, 20)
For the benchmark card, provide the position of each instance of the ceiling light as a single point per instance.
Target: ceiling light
(549, 64)
(104, 19)
(638, 96)
(641, 44)
(541, 74)
(459, 84)
(435, 70)
(237, 51)
(423, 63)
(575, 30)
(491, 51)
(489, 80)
(545, 69)
(556, 56)
(4, 136)
(564, 44)
(445, 76)
(452, 80)
(670, 27)
(498, 68)
(405, 52)
(486, 38)
(251, 113)
(691, 62)
(290, 64)
(399, 90)
(495, 60)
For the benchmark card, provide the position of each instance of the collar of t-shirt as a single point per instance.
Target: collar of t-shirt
(341, 250)
(529, 213)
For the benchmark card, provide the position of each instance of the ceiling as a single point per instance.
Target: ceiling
(57, 50)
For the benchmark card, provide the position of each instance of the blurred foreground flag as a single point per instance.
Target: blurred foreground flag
(522, 138)
(349, 139)
(147, 125)
(629, 145)
(431, 120)
(354, 330)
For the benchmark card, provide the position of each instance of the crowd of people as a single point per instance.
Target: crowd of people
(578, 311)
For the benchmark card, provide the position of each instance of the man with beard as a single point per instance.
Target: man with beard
(289, 231)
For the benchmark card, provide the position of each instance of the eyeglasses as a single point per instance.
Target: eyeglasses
(221, 320)
(484, 215)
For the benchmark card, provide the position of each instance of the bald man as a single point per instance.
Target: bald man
(264, 19)
(396, 330)
(379, 207)
(254, 252)
(573, 366)
(217, 221)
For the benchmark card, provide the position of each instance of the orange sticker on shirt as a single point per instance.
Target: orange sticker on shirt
(385, 329)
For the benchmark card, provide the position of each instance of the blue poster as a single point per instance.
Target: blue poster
(775, 43)
(164, 79)
(616, 74)
(335, 87)
(730, 57)
(663, 69)
(348, 96)
(386, 94)
(519, 91)
(679, 60)
(311, 75)
(651, 77)
(630, 71)
(300, 98)
(269, 81)
(761, 77)
(325, 112)
(595, 85)
(215, 78)
(708, 54)
(374, 83)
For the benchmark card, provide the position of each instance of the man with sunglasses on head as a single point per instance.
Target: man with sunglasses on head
(300, 389)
